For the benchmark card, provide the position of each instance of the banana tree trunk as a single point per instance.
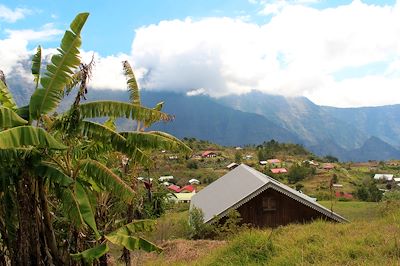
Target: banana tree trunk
(28, 240)
(48, 225)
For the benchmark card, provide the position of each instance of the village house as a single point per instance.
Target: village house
(274, 161)
(278, 170)
(165, 178)
(208, 154)
(328, 166)
(194, 181)
(261, 200)
(232, 166)
(383, 177)
(263, 162)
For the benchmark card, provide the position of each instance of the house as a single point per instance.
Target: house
(261, 200)
(187, 188)
(328, 166)
(396, 179)
(274, 161)
(208, 154)
(384, 177)
(238, 148)
(165, 178)
(194, 181)
(311, 162)
(337, 185)
(248, 157)
(279, 170)
(232, 166)
(174, 188)
(263, 162)
(182, 197)
(173, 157)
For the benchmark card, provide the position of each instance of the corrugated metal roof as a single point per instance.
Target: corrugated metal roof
(241, 185)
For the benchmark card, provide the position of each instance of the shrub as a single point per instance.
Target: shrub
(191, 164)
(198, 229)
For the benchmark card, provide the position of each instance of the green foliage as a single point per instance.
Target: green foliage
(125, 236)
(85, 207)
(133, 87)
(330, 159)
(272, 148)
(199, 229)
(6, 98)
(229, 225)
(59, 72)
(92, 254)
(23, 136)
(8, 118)
(121, 109)
(368, 191)
(36, 64)
(238, 157)
(106, 179)
(392, 195)
(297, 173)
(192, 164)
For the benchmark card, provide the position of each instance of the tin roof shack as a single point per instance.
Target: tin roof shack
(261, 200)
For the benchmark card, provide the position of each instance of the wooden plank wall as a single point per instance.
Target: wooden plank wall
(287, 211)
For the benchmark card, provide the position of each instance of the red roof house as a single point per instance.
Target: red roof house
(279, 170)
(274, 161)
(187, 188)
(174, 188)
(208, 154)
(340, 194)
(328, 166)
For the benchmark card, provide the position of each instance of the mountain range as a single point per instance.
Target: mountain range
(350, 134)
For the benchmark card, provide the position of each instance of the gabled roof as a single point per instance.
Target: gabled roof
(278, 170)
(273, 161)
(188, 188)
(241, 185)
(206, 153)
(174, 188)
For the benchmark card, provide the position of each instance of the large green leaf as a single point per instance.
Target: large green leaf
(70, 207)
(92, 254)
(121, 109)
(23, 136)
(8, 118)
(107, 179)
(131, 82)
(155, 140)
(59, 71)
(54, 174)
(36, 63)
(125, 236)
(86, 208)
(6, 98)
(107, 136)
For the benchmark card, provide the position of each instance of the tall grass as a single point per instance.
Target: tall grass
(373, 241)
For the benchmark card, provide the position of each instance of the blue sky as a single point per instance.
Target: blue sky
(334, 52)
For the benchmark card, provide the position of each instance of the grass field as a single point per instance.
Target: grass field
(371, 238)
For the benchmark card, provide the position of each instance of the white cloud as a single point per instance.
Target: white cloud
(296, 53)
(196, 92)
(9, 15)
(107, 72)
(45, 33)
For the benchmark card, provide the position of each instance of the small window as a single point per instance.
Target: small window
(269, 204)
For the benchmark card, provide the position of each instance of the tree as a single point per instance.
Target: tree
(60, 158)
